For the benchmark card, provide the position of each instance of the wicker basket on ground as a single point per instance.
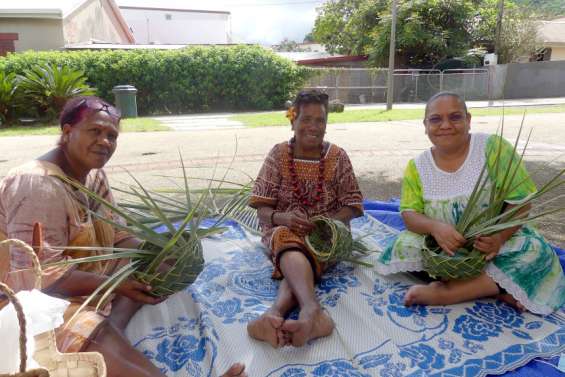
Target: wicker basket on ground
(83, 364)
(464, 264)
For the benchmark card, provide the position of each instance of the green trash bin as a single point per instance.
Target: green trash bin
(126, 100)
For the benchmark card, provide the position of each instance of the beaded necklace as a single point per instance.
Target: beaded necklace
(302, 197)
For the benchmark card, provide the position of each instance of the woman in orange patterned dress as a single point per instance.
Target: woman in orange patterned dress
(303, 177)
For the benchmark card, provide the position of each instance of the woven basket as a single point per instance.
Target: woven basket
(330, 241)
(179, 276)
(23, 338)
(83, 364)
(464, 264)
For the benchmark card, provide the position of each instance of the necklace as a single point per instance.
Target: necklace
(302, 197)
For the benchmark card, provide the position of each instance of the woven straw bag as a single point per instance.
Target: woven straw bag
(82, 364)
(464, 264)
(23, 339)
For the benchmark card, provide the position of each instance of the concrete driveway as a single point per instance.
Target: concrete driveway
(379, 152)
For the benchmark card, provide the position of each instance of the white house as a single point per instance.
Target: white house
(153, 25)
(54, 24)
(552, 34)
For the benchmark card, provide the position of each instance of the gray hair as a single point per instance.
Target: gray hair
(446, 94)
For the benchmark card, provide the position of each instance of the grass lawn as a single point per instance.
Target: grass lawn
(126, 125)
(277, 118)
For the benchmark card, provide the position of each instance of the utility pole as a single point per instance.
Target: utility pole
(498, 31)
(391, 53)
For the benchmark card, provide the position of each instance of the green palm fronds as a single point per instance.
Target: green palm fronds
(51, 86)
(168, 260)
(477, 221)
(10, 96)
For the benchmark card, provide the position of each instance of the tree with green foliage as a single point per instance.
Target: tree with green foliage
(428, 31)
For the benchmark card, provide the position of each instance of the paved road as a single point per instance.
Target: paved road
(379, 151)
(200, 122)
(222, 120)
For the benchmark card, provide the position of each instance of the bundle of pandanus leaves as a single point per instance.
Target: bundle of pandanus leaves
(170, 228)
(479, 220)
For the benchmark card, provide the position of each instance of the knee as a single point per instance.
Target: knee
(293, 257)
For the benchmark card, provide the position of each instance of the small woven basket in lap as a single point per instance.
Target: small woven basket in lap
(82, 364)
(464, 264)
(330, 241)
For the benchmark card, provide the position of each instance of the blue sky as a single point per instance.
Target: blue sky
(254, 21)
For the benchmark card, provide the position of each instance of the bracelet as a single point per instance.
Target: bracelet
(273, 217)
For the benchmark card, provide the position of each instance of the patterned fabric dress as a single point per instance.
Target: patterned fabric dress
(32, 193)
(274, 188)
(526, 265)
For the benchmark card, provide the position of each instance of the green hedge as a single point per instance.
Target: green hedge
(194, 79)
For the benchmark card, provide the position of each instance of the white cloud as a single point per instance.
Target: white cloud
(253, 21)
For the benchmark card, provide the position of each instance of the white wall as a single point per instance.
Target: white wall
(152, 26)
(557, 53)
(34, 33)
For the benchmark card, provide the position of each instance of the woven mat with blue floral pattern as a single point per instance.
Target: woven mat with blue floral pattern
(201, 331)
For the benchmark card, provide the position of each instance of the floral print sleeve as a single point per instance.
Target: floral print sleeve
(523, 186)
(411, 198)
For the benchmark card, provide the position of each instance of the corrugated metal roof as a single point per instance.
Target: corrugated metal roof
(39, 8)
(552, 32)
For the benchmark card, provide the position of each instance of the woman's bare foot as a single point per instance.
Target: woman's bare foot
(429, 294)
(510, 300)
(267, 328)
(311, 324)
(236, 370)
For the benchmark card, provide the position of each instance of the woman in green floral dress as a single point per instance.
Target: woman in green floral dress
(524, 270)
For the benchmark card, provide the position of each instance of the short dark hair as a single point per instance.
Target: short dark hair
(310, 96)
(445, 94)
(75, 110)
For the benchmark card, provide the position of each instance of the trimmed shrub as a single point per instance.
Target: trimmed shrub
(193, 79)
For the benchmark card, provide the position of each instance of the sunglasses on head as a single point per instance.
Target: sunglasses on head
(322, 96)
(96, 105)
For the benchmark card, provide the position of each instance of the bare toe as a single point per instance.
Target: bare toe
(310, 325)
(424, 294)
(266, 328)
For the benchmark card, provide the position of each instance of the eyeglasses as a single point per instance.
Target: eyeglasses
(437, 120)
(96, 105)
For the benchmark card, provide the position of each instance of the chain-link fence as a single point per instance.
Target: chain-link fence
(362, 85)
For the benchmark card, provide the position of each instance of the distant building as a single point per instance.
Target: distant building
(552, 34)
(152, 25)
(324, 59)
(53, 24)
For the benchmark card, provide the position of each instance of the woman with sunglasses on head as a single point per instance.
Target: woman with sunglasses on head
(300, 178)
(33, 193)
(524, 272)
